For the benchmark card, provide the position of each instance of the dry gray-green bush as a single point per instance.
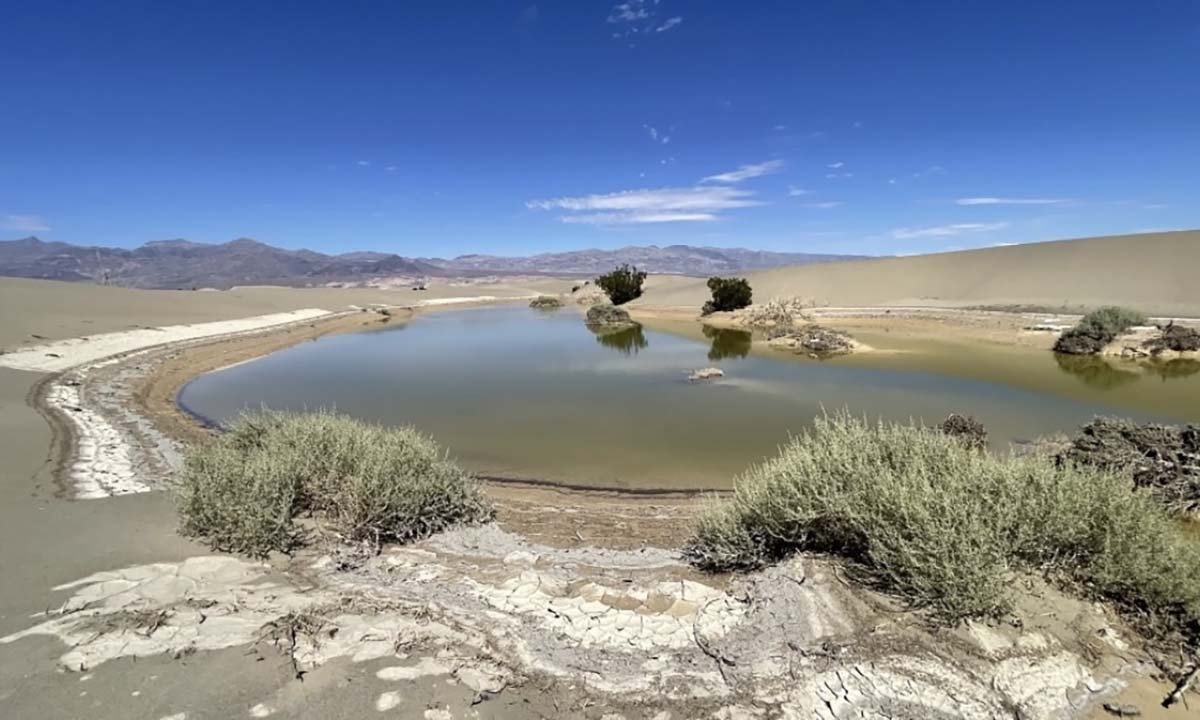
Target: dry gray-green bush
(946, 527)
(545, 302)
(244, 491)
(1097, 329)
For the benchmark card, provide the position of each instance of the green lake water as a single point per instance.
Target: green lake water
(515, 392)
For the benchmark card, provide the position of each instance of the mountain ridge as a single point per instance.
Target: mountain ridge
(180, 263)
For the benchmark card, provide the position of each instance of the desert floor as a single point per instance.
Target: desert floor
(47, 540)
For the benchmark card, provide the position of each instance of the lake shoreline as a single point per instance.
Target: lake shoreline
(543, 531)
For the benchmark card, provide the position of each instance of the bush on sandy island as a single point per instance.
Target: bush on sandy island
(243, 492)
(1097, 329)
(945, 526)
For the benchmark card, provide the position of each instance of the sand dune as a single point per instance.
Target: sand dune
(1158, 273)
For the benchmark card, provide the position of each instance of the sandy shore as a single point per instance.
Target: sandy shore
(573, 605)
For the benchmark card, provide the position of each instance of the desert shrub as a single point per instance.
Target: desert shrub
(1164, 459)
(1174, 337)
(545, 302)
(243, 492)
(966, 429)
(728, 294)
(945, 527)
(622, 284)
(1097, 329)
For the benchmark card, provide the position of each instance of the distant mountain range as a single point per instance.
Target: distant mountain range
(185, 264)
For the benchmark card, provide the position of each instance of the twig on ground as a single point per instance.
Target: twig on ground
(1182, 687)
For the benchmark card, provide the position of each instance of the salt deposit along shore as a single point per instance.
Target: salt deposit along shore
(477, 622)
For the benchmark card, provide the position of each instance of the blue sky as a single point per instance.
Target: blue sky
(441, 128)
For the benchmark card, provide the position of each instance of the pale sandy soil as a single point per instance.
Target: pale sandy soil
(57, 310)
(1155, 273)
(710, 646)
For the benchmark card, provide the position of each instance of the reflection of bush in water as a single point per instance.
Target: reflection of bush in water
(628, 341)
(1177, 368)
(727, 343)
(1094, 371)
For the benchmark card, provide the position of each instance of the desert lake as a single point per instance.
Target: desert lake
(519, 393)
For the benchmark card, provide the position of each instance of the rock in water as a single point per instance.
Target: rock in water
(711, 373)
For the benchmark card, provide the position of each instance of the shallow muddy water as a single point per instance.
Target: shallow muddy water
(520, 393)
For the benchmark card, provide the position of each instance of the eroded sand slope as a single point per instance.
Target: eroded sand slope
(1155, 272)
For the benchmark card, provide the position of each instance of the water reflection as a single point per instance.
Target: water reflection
(1175, 369)
(727, 343)
(1098, 372)
(626, 342)
(1095, 371)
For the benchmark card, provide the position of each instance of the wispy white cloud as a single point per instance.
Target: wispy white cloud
(670, 23)
(1009, 201)
(653, 205)
(391, 168)
(835, 166)
(946, 230)
(638, 218)
(745, 172)
(640, 17)
(835, 175)
(929, 171)
(657, 136)
(24, 223)
(363, 163)
(827, 205)
(631, 11)
(796, 191)
(1154, 206)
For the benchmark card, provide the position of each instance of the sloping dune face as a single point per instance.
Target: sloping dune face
(1155, 272)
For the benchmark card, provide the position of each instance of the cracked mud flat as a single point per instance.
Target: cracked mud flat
(110, 448)
(631, 630)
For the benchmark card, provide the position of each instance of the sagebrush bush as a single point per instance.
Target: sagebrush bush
(728, 294)
(242, 492)
(622, 284)
(1097, 329)
(545, 302)
(946, 527)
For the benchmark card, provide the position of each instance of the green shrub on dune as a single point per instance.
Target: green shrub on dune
(623, 284)
(945, 526)
(242, 492)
